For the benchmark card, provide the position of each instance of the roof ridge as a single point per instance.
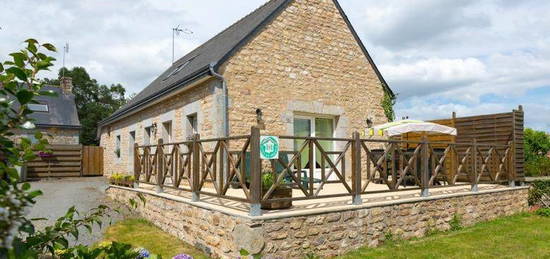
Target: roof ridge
(224, 30)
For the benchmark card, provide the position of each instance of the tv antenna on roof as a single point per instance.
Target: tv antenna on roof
(178, 31)
(65, 50)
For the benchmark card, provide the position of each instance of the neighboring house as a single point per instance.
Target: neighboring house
(299, 61)
(55, 116)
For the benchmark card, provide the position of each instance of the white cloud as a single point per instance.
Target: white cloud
(434, 75)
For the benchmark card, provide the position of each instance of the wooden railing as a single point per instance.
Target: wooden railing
(231, 168)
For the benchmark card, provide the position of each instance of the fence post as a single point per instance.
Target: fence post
(255, 173)
(474, 157)
(356, 169)
(137, 166)
(425, 170)
(195, 173)
(511, 164)
(160, 166)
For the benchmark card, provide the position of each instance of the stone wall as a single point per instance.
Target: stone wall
(327, 234)
(208, 230)
(336, 233)
(55, 136)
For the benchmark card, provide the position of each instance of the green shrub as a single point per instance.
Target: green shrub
(267, 180)
(545, 212)
(456, 222)
(539, 166)
(537, 190)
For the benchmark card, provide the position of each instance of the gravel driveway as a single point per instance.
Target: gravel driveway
(60, 194)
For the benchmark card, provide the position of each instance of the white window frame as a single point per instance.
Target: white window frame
(38, 107)
(118, 140)
(131, 143)
(147, 134)
(167, 133)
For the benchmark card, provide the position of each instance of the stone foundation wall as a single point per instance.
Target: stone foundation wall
(329, 234)
(55, 136)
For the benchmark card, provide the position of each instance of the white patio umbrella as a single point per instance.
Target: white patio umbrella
(407, 126)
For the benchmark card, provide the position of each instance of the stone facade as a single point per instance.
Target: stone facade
(55, 136)
(200, 101)
(304, 62)
(326, 234)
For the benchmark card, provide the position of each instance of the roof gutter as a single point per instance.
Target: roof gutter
(59, 126)
(225, 105)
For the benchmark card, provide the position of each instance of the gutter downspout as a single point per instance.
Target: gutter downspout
(225, 119)
(225, 106)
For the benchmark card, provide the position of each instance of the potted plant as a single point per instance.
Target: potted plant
(282, 191)
(122, 180)
(115, 178)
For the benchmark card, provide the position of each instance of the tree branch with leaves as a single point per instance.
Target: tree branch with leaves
(19, 86)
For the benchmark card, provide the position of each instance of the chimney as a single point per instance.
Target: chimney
(66, 84)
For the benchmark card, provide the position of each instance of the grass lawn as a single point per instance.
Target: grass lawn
(520, 236)
(141, 233)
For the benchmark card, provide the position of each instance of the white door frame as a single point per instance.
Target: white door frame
(311, 119)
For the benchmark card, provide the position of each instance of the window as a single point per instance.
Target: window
(147, 136)
(38, 107)
(117, 146)
(131, 143)
(167, 132)
(192, 125)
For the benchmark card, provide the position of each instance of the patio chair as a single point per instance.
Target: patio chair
(303, 177)
(278, 168)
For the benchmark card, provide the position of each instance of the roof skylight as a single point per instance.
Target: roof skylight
(38, 107)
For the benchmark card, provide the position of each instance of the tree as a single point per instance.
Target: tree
(537, 145)
(94, 101)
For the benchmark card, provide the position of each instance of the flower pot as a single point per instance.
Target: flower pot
(281, 192)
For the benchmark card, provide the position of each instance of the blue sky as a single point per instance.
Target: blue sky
(440, 56)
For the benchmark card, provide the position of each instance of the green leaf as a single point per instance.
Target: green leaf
(26, 186)
(32, 45)
(1, 68)
(142, 198)
(34, 194)
(243, 252)
(18, 72)
(19, 59)
(31, 40)
(28, 228)
(24, 96)
(49, 47)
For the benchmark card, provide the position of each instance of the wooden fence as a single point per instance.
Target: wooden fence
(67, 161)
(500, 129)
(209, 167)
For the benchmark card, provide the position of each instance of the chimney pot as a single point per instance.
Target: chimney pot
(66, 84)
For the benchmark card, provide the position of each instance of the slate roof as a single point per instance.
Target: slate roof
(62, 110)
(211, 55)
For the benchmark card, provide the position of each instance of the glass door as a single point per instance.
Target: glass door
(305, 126)
(302, 128)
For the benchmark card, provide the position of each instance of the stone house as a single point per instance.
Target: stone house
(55, 116)
(299, 62)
